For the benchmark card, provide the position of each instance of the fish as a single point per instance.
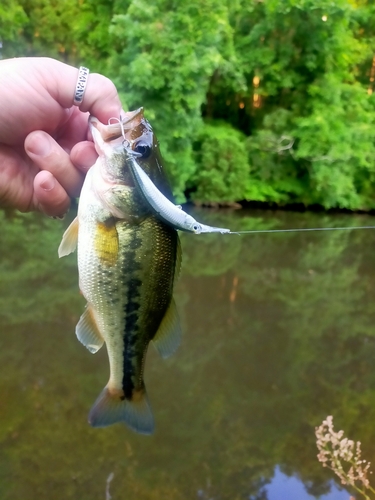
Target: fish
(164, 209)
(128, 262)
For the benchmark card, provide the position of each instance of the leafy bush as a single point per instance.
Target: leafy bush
(222, 164)
(295, 77)
(275, 176)
(337, 142)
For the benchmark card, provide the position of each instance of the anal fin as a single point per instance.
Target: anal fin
(168, 336)
(87, 331)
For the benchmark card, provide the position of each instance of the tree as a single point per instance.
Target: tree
(296, 78)
(221, 155)
(166, 54)
(12, 20)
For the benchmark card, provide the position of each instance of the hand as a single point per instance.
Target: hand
(44, 151)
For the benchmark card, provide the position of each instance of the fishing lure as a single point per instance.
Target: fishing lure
(165, 210)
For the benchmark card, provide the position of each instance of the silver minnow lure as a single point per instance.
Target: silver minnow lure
(165, 210)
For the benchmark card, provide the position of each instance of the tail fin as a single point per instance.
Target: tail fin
(110, 408)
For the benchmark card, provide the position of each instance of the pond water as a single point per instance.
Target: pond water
(279, 332)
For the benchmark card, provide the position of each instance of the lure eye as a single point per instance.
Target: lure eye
(196, 228)
(143, 149)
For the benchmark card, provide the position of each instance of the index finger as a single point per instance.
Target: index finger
(100, 98)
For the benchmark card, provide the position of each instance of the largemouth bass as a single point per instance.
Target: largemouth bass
(128, 261)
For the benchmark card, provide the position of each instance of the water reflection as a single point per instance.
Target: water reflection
(284, 487)
(278, 334)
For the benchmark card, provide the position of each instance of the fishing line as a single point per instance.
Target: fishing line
(119, 121)
(127, 145)
(301, 230)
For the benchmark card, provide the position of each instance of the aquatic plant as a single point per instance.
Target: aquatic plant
(343, 457)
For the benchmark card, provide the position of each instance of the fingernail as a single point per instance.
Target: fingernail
(40, 145)
(48, 184)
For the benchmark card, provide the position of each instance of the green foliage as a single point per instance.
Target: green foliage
(91, 32)
(222, 161)
(47, 31)
(275, 176)
(12, 20)
(166, 54)
(312, 138)
(337, 141)
(295, 77)
(74, 32)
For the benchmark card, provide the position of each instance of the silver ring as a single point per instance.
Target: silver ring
(83, 74)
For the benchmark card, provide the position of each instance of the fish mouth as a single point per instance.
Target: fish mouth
(123, 127)
(127, 130)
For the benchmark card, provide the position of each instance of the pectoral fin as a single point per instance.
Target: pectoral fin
(69, 240)
(87, 331)
(168, 336)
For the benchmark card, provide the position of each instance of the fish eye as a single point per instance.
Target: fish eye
(196, 228)
(143, 149)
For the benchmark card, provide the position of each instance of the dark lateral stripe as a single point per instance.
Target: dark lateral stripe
(132, 305)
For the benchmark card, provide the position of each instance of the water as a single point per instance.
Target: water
(283, 487)
(279, 332)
